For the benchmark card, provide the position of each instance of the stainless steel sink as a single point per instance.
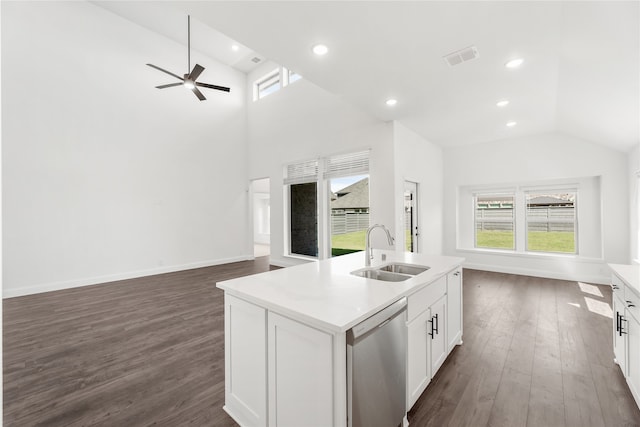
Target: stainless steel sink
(411, 269)
(385, 276)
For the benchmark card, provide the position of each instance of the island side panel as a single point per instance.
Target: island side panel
(245, 339)
(301, 387)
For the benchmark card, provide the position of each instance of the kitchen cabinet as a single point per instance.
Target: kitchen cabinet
(619, 338)
(625, 284)
(633, 365)
(454, 308)
(246, 395)
(300, 374)
(418, 357)
(427, 344)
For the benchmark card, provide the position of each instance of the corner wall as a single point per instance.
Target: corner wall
(418, 160)
(634, 204)
(104, 176)
(538, 158)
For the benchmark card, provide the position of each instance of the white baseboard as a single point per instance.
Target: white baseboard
(88, 281)
(548, 274)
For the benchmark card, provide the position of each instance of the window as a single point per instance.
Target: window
(273, 81)
(494, 221)
(551, 221)
(267, 84)
(343, 182)
(301, 179)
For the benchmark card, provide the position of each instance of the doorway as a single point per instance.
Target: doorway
(411, 230)
(261, 198)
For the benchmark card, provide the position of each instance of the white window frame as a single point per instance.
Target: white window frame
(575, 218)
(475, 224)
(273, 74)
(321, 171)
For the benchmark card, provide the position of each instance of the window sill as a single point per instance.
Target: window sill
(531, 255)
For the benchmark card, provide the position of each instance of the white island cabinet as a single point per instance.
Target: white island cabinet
(625, 283)
(285, 334)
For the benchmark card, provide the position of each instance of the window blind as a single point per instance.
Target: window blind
(347, 165)
(303, 172)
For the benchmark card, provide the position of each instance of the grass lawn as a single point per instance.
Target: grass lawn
(347, 243)
(551, 241)
(540, 241)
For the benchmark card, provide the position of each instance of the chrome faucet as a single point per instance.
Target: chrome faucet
(367, 243)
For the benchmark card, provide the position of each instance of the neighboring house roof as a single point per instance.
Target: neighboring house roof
(547, 201)
(354, 196)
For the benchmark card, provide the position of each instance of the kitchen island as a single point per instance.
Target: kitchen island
(285, 334)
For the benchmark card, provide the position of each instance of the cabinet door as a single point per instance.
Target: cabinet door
(438, 325)
(418, 357)
(245, 343)
(619, 337)
(454, 309)
(633, 362)
(300, 374)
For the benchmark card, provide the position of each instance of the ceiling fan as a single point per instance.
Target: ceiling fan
(189, 79)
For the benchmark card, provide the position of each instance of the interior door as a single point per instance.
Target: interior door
(411, 230)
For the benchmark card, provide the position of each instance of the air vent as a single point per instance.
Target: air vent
(462, 55)
(255, 59)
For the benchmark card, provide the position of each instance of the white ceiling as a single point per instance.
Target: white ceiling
(581, 74)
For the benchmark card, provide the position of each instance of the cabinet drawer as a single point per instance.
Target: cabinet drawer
(632, 302)
(617, 285)
(421, 300)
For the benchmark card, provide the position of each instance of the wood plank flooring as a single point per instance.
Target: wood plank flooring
(150, 351)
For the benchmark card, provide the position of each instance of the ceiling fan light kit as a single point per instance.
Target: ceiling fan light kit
(189, 80)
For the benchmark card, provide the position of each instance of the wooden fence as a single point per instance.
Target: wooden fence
(349, 222)
(543, 218)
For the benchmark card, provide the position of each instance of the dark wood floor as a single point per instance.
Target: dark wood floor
(150, 351)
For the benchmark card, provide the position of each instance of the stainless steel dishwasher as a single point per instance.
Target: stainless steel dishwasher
(376, 369)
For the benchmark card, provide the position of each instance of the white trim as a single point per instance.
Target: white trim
(536, 272)
(532, 255)
(98, 280)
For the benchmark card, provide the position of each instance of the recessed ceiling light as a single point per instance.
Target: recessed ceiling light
(391, 102)
(511, 124)
(235, 47)
(514, 63)
(320, 49)
(502, 103)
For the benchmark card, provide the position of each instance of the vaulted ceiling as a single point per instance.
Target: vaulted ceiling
(580, 76)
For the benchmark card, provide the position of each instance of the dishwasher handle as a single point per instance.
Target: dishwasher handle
(378, 320)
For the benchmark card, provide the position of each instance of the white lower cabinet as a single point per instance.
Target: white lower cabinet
(454, 308)
(300, 374)
(633, 378)
(428, 332)
(619, 333)
(245, 339)
(626, 329)
(438, 333)
(418, 357)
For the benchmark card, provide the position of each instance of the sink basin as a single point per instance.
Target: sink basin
(411, 269)
(386, 276)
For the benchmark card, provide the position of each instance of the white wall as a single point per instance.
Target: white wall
(537, 158)
(634, 205)
(104, 176)
(418, 160)
(302, 122)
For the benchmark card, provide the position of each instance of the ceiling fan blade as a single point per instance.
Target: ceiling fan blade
(169, 85)
(198, 94)
(197, 70)
(165, 71)
(222, 88)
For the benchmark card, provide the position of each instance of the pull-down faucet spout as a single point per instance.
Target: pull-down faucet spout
(367, 242)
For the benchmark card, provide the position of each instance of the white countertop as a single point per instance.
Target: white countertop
(324, 293)
(630, 275)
